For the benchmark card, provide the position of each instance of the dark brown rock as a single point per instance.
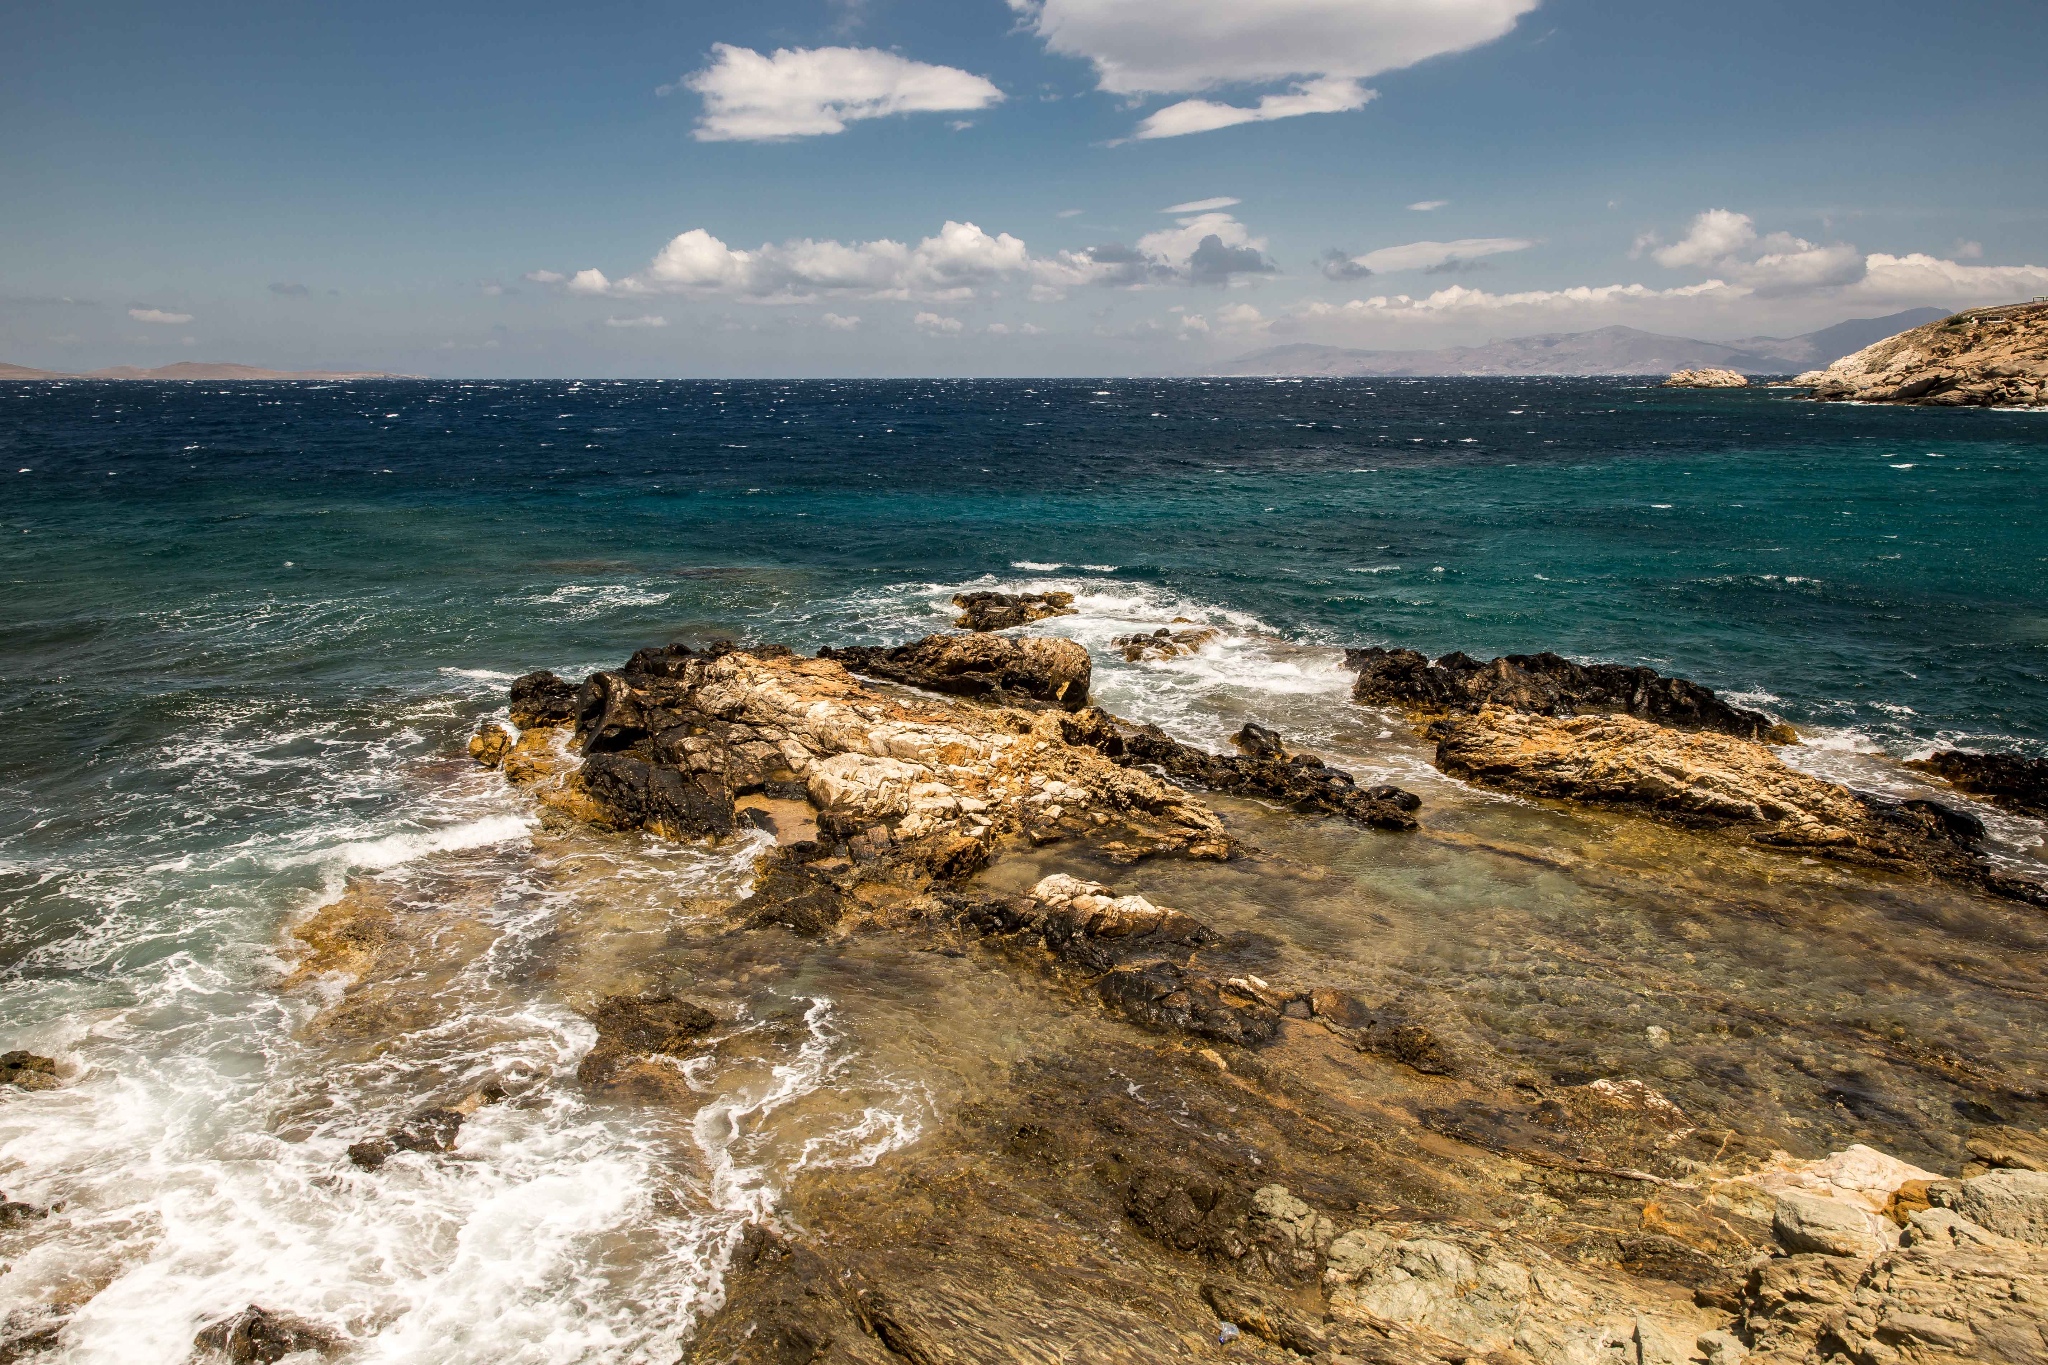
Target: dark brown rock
(1000, 669)
(1380, 1032)
(1162, 644)
(980, 611)
(541, 698)
(1548, 685)
(2013, 781)
(675, 804)
(638, 1026)
(257, 1336)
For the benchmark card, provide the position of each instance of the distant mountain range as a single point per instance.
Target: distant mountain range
(189, 369)
(1610, 350)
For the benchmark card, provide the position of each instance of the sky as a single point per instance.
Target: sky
(993, 187)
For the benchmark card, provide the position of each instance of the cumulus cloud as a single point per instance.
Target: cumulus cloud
(1325, 95)
(1168, 47)
(289, 290)
(838, 323)
(159, 316)
(644, 320)
(1340, 265)
(937, 325)
(1932, 279)
(1207, 248)
(808, 92)
(1221, 201)
(1427, 205)
(1436, 256)
(1779, 263)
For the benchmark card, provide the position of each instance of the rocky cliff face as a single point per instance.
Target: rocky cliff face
(1987, 357)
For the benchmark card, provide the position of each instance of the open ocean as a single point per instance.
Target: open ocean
(247, 627)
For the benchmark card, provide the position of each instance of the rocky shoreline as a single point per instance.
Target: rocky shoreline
(1504, 1220)
(1985, 357)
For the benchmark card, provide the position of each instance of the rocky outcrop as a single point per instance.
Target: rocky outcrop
(1986, 357)
(999, 669)
(1003, 610)
(1162, 644)
(1264, 769)
(1706, 379)
(1704, 779)
(642, 1026)
(667, 742)
(27, 1071)
(1548, 685)
(2009, 780)
(257, 1336)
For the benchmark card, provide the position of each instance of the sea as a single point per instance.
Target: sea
(247, 628)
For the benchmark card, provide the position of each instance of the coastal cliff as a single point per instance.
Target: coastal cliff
(1986, 357)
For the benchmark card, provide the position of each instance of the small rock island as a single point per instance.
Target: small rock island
(1706, 379)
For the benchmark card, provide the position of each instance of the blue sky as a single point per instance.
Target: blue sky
(989, 186)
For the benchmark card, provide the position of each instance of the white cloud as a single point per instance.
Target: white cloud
(1457, 299)
(1931, 279)
(1437, 255)
(1069, 213)
(806, 92)
(1728, 244)
(939, 326)
(1221, 201)
(1324, 95)
(1427, 205)
(837, 323)
(948, 265)
(1965, 250)
(159, 316)
(543, 277)
(1166, 47)
(645, 320)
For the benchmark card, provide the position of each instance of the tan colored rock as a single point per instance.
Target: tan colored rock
(1986, 357)
(1706, 379)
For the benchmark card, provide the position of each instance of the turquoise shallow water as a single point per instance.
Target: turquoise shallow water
(245, 627)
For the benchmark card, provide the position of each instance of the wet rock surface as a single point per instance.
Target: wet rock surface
(1547, 685)
(257, 1336)
(1162, 644)
(2013, 781)
(1002, 669)
(642, 1026)
(1715, 780)
(1005, 610)
(27, 1071)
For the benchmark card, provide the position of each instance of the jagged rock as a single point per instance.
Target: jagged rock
(638, 1026)
(1706, 379)
(1548, 685)
(1005, 670)
(489, 745)
(27, 1071)
(982, 611)
(674, 804)
(2009, 780)
(1711, 779)
(1986, 357)
(1264, 769)
(1162, 644)
(2010, 1203)
(257, 1336)
(432, 1131)
(541, 698)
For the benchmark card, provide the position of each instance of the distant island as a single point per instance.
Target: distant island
(1609, 350)
(191, 369)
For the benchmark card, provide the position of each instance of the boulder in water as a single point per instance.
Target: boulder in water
(2009, 780)
(1000, 669)
(1002, 610)
(27, 1071)
(257, 1336)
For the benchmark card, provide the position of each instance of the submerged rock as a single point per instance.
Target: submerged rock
(1002, 610)
(257, 1336)
(1714, 780)
(638, 1026)
(2013, 781)
(1706, 379)
(1001, 669)
(1986, 357)
(1162, 644)
(1548, 685)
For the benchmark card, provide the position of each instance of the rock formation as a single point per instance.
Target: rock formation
(1986, 357)
(1706, 379)
(1007, 671)
(1707, 779)
(1162, 644)
(27, 1071)
(2009, 780)
(1548, 685)
(1002, 610)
